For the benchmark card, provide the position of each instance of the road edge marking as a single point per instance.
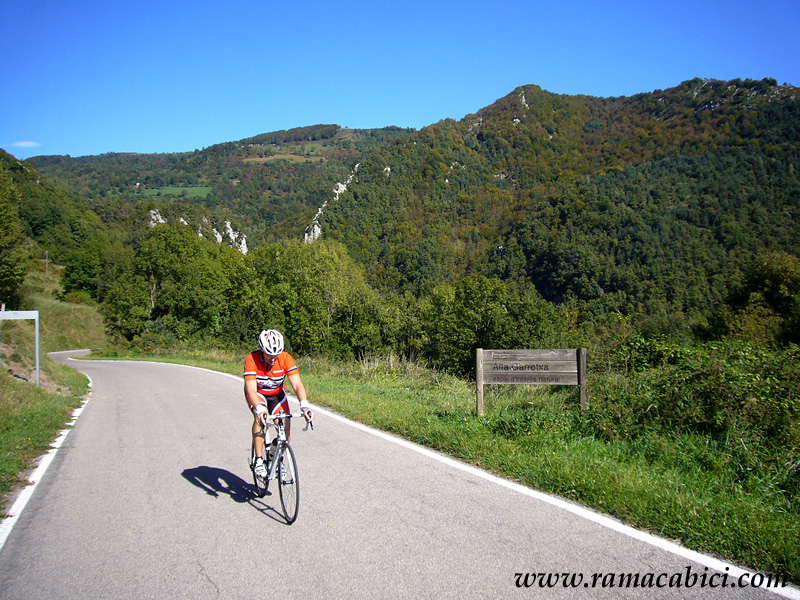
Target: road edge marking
(24, 496)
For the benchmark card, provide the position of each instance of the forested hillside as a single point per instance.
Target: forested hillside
(662, 205)
(268, 186)
(667, 207)
(45, 220)
(657, 204)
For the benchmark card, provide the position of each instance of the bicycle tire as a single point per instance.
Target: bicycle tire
(261, 485)
(288, 484)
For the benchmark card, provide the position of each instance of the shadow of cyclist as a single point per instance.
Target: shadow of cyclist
(214, 482)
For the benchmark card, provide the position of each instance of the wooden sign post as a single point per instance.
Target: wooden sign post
(531, 367)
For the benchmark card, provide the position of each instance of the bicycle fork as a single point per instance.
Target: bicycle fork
(280, 468)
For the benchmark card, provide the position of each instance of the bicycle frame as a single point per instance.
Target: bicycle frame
(276, 421)
(280, 445)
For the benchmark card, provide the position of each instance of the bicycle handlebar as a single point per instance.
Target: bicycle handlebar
(283, 415)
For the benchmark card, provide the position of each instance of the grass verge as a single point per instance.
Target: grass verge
(31, 417)
(679, 486)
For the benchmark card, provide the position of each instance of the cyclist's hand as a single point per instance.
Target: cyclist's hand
(306, 410)
(261, 414)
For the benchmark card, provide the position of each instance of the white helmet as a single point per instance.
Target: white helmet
(271, 342)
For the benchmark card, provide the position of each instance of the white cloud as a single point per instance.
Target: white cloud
(26, 144)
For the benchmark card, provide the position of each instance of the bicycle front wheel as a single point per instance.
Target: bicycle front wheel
(288, 484)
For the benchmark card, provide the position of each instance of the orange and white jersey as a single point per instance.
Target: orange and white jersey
(269, 381)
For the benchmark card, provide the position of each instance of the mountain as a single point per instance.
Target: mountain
(268, 186)
(659, 203)
(53, 217)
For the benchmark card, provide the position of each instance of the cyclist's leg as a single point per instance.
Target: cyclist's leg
(259, 480)
(259, 430)
(258, 436)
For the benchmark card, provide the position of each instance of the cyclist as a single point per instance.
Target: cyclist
(265, 373)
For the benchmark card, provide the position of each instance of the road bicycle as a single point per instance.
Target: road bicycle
(281, 465)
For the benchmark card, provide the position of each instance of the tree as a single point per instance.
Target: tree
(478, 312)
(778, 276)
(174, 283)
(317, 295)
(14, 259)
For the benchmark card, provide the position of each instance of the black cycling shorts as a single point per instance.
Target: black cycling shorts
(275, 403)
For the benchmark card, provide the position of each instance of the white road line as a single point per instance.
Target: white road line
(733, 571)
(22, 499)
(25, 495)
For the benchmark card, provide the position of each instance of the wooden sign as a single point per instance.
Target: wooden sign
(530, 367)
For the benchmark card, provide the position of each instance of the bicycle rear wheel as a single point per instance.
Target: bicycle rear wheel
(260, 484)
(288, 484)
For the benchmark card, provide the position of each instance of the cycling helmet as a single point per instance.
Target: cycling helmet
(271, 342)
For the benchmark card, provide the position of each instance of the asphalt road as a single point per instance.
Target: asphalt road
(150, 497)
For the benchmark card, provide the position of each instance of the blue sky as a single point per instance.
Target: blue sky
(96, 76)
